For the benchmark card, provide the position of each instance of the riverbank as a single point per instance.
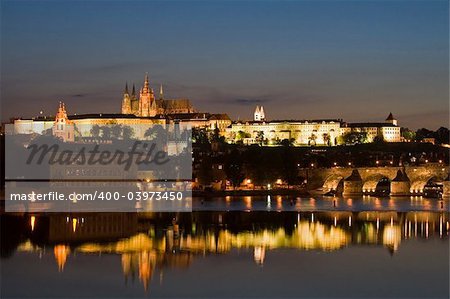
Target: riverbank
(220, 193)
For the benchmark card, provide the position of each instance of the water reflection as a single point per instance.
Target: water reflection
(147, 242)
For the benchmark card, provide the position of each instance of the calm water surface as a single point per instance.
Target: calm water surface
(234, 247)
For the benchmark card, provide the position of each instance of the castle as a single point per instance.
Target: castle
(137, 113)
(147, 105)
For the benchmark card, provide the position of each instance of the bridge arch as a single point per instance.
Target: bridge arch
(418, 185)
(378, 183)
(334, 182)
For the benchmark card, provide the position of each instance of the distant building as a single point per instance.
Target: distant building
(388, 131)
(307, 132)
(299, 132)
(148, 106)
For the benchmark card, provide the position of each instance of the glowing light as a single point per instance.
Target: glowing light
(32, 222)
(74, 224)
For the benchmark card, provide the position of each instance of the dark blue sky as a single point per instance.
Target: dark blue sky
(356, 60)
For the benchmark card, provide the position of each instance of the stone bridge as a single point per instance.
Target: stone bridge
(409, 180)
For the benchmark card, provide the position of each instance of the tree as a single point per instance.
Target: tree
(234, 168)
(205, 173)
(127, 132)
(326, 139)
(407, 134)
(260, 137)
(95, 131)
(442, 135)
(106, 132)
(241, 135)
(159, 135)
(116, 131)
(378, 139)
(312, 139)
(351, 138)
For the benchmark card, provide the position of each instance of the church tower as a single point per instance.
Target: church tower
(126, 102)
(259, 114)
(63, 128)
(146, 100)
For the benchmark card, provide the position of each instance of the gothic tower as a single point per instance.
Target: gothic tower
(146, 100)
(134, 102)
(259, 114)
(126, 102)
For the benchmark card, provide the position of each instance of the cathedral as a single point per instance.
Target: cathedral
(147, 105)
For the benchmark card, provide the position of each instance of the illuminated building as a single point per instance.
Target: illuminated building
(307, 132)
(136, 113)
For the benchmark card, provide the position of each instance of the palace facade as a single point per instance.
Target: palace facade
(307, 132)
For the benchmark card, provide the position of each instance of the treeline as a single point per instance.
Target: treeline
(441, 135)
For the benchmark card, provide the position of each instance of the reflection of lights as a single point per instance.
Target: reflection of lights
(335, 221)
(74, 224)
(248, 202)
(259, 254)
(349, 220)
(312, 217)
(32, 222)
(61, 252)
(279, 202)
(392, 237)
(378, 223)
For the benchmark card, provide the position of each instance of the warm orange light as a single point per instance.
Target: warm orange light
(32, 222)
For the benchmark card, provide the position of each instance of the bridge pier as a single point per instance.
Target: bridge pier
(353, 184)
(400, 185)
(446, 187)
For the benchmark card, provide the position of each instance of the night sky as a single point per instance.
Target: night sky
(300, 59)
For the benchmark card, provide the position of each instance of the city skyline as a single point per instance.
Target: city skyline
(301, 60)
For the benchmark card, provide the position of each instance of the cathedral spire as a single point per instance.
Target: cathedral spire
(146, 84)
(161, 92)
(126, 88)
(133, 92)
